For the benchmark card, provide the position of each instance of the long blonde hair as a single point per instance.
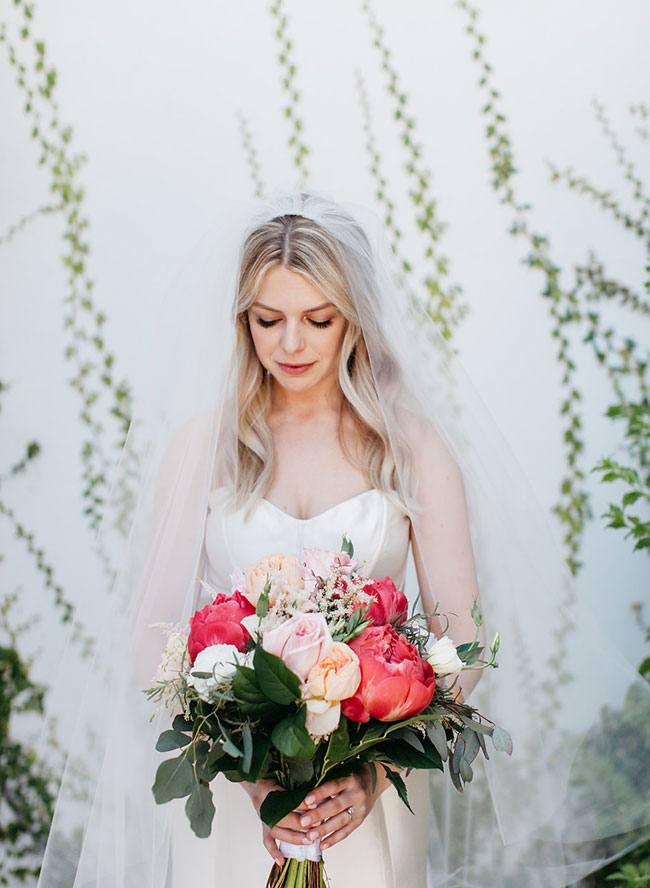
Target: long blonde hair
(303, 246)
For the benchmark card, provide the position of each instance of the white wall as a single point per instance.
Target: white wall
(153, 90)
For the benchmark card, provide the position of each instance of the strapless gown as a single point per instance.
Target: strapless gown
(389, 849)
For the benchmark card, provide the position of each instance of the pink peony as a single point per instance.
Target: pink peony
(389, 605)
(219, 623)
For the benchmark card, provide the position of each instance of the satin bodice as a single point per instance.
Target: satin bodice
(379, 531)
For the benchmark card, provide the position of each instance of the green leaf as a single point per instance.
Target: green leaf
(274, 679)
(169, 740)
(181, 723)
(251, 700)
(301, 770)
(262, 607)
(200, 810)
(290, 736)
(631, 497)
(248, 748)
(501, 739)
(281, 802)
(399, 785)
(438, 737)
(469, 652)
(174, 780)
(347, 547)
(404, 755)
(373, 776)
(339, 745)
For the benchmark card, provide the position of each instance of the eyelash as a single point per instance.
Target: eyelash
(319, 324)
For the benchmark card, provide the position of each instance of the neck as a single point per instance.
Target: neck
(323, 397)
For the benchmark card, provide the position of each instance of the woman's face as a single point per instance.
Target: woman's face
(296, 332)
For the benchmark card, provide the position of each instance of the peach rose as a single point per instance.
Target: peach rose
(301, 642)
(280, 569)
(337, 675)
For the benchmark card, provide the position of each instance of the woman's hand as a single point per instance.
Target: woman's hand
(325, 813)
(286, 830)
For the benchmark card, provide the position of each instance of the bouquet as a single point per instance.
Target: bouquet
(302, 674)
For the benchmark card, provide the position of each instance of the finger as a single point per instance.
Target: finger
(290, 835)
(271, 847)
(337, 836)
(326, 790)
(294, 820)
(341, 821)
(328, 809)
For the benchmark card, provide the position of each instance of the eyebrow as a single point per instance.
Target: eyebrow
(307, 311)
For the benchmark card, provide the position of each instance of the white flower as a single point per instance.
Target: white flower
(444, 658)
(323, 716)
(251, 624)
(173, 656)
(220, 661)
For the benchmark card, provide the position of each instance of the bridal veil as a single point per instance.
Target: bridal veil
(573, 794)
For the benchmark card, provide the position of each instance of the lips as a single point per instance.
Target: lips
(295, 369)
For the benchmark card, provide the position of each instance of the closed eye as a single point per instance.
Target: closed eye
(320, 324)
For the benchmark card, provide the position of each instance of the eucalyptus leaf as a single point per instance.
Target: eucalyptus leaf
(502, 740)
(438, 737)
(248, 747)
(169, 740)
(200, 810)
(174, 780)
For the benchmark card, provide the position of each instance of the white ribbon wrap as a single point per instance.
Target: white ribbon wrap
(301, 852)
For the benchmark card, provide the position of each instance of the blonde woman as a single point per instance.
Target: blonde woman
(327, 403)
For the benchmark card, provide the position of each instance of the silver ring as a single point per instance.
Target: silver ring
(350, 811)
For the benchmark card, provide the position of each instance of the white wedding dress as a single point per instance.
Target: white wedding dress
(389, 849)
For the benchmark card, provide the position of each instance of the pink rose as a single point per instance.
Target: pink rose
(301, 642)
(321, 562)
(389, 605)
(219, 623)
(396, 682)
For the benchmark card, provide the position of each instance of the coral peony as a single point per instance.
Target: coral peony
(396, 682)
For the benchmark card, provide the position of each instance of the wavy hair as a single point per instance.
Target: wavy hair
(343, 272)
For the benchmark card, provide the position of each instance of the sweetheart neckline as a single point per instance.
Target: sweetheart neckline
(349, 499)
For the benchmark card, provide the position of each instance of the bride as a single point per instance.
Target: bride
(330, 405)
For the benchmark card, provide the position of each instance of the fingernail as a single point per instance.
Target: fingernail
(306, 841)
(323, 847)
(310, 800)
(313, 834)
(305, 821)
(279, 861)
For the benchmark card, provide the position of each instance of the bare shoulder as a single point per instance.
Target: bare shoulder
(428, 448)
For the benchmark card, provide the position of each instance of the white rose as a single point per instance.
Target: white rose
(444, 658)
(323, 716)
(220, 660)
(251, 624)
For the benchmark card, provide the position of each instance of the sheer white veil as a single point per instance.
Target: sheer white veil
(575, 791)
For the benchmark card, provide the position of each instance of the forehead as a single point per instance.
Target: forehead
(286, 290)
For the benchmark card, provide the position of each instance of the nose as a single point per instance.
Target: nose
(292, 338)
